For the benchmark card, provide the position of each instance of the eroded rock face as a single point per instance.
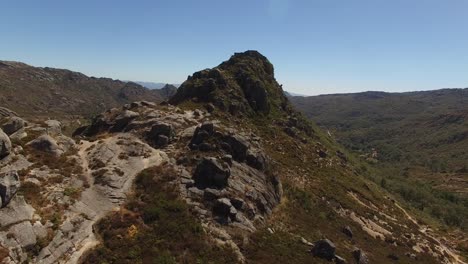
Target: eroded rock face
(9, 185)
(5, 145)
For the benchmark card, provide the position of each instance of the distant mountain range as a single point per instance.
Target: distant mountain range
(416, 141)
(47, 91)
(154, 85)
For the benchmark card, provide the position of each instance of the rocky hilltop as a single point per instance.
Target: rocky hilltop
(33, 91)
(227, 172)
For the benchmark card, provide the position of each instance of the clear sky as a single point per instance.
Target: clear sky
(317, 46)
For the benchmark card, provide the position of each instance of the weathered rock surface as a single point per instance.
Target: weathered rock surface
(13, 124)
(5, 145)
(47, 144)
(9, 185)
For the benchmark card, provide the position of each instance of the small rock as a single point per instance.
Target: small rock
(322, 153)
(347, 231)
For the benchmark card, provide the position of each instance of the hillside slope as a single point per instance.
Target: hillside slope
(230, 173)
(33, 91)
(417, 142)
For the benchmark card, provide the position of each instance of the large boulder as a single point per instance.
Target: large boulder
(46, 143)
(210, 173)
(122, 120)
(13, 124)
(158, 130)
(257, 160)
(325, 249)
(238, 146)
(9, 185)
(5, 145)
(53, 127)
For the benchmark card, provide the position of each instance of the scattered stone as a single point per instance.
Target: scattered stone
(211, 173)
(324, 249)
(9, 185)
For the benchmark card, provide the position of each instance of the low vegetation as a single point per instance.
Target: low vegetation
(155, 226)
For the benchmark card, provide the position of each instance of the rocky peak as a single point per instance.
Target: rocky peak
(244, 84)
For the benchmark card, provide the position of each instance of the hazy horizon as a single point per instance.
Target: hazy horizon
(317, 47)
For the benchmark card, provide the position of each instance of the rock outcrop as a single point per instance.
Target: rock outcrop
(243, 84)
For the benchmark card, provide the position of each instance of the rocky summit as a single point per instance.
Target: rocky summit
(226, 171)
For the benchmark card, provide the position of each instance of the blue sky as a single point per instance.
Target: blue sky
(317, 46)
